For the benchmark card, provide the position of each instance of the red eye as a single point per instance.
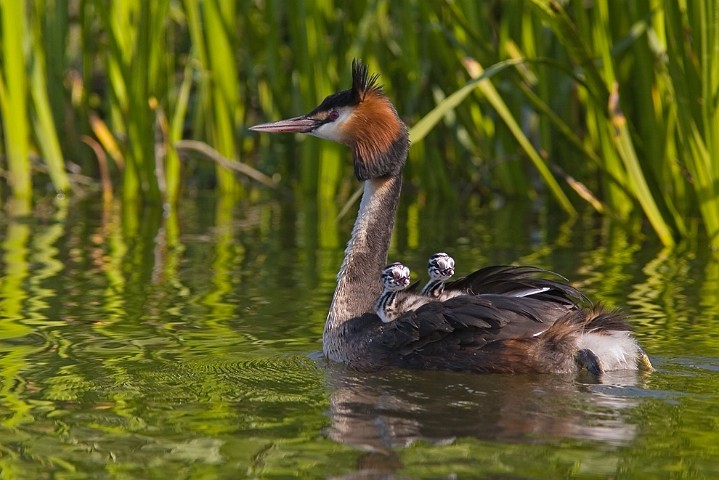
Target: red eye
(334, 115)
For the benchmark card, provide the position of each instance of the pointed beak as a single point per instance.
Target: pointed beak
(301, 124)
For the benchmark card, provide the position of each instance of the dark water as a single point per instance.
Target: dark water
(187, 347)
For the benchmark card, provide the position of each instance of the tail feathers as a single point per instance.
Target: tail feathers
(600, 320)
(602, 341)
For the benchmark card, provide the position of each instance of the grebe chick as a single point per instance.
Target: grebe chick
(440, 268)
(395, 278)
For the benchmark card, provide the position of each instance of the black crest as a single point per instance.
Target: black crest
(363, 82)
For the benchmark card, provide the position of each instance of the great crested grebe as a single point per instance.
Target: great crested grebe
(440, 268)
(395, 278)
(510, 319)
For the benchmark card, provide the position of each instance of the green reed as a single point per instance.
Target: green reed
(214, 33)
(692, 75)
(13, 102)
(44, 123)
(135, 39)
(609, 103)
(603, 108)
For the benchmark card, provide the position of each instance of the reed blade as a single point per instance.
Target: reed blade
(16, 127)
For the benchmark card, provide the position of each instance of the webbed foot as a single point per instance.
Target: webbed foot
(586, 358)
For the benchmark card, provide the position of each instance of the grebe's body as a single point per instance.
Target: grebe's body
(498, 319)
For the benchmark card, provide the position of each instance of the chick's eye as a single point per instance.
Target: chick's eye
(334, 115)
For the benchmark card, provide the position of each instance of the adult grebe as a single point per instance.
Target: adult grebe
(506, 319)
(395, 278)
(440, 269)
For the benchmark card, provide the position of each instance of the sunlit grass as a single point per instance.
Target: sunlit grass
(605, 103)
(13, 102)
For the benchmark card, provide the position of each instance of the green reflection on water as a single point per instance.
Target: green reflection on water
(185, 346)
(15, 352)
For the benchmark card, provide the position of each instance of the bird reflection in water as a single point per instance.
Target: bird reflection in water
(382, 411)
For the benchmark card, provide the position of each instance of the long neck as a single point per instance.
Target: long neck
(384, 304)
(358, 281)
(434, 288)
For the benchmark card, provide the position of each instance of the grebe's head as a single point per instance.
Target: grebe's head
(440, 266)
(362, 118)
(395, 277)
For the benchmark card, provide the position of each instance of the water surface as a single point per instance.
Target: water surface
(187, 346)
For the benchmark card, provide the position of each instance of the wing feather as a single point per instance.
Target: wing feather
(469, 321)
(517, 281)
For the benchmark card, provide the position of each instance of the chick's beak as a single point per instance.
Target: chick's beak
(301, 124)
